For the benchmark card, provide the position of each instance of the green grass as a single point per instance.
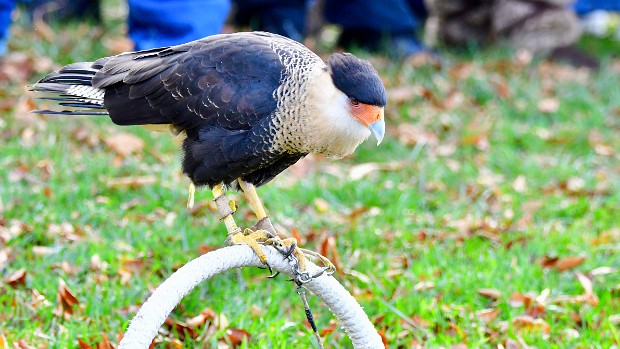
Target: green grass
(454, 213)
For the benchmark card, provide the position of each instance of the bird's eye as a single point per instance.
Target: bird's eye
(355, 103)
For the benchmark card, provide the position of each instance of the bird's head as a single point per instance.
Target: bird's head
(360, 82)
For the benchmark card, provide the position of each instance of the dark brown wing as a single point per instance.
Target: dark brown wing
(222, 81)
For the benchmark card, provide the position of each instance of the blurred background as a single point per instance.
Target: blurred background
(489, 217)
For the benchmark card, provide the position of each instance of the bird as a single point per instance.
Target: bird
(246, 105)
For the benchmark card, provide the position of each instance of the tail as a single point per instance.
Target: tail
(72, 87)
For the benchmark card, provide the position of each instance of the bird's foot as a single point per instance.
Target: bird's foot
(297, 258)
(252, 238)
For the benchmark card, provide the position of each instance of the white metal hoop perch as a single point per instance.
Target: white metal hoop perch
(146, 323)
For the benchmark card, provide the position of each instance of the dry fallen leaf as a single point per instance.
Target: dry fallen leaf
(568, 263)
(17, 278)
(488, 315)
(321, 205)
(424, 285)
(549, 105)
(561, 264)
(124, 144)
(520, 184)
(131, 182)
(105, 343)
(526, 322)
(490, 293)
(83, 345)
(202, 318)
(236, 336)
(360, 171)
(66, 300)
(589, 296)
(21, 344)
(44, 250)
(594, 272)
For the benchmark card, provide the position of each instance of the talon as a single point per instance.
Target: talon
(252, 239)
(290, 251)
(273, 275)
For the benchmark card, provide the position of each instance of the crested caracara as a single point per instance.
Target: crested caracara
(248, 104)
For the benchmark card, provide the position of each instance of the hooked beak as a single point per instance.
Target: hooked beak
(378, 128)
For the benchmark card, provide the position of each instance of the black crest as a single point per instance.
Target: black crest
(357, 79)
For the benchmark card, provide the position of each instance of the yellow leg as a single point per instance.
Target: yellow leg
(235, 236)
(227, 217)
(252, 198)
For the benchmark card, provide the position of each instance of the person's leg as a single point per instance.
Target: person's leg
(388, 24)
(159, 23)
(6, 8)
(284, 17)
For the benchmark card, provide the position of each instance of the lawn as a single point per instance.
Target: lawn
(488, 217)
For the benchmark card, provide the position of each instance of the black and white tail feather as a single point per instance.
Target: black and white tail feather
(72, 87)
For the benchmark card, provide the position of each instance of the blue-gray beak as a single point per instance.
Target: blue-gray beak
(378, 129)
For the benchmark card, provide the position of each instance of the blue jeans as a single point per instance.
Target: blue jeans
(158, 23)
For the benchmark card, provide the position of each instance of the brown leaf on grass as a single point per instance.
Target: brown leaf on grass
(575, 185)
(202, 318)
(66, 300)
(384, 338)
(235, 336)
(85, 135)
(589, 296)
(599, 271)
(411, 134)
(18, 278)
(321, 205)
(118, 44)
(4, 257)
(131, 182)
(360, 171)
(598, 144)
(43, 251)
(548, 262)
(181, 328)
(3, 342)
(501, 86)
(402, 94)
(568, 263)
(548, 105)
(331, 327)
(83, 345)
(124, 144)
(128, 268)
(510, 344)
(96, 264)
(18, 173)
(105, 343)
(490, 293)
(518, 299)
(16, 67)
(526, 322)
(520, 184)
(561, 264)
(424, 286)
(488, 315)
(21, 344)
(329, 250)
(14, 229)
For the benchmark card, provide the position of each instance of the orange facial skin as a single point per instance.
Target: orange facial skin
(366, 114)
